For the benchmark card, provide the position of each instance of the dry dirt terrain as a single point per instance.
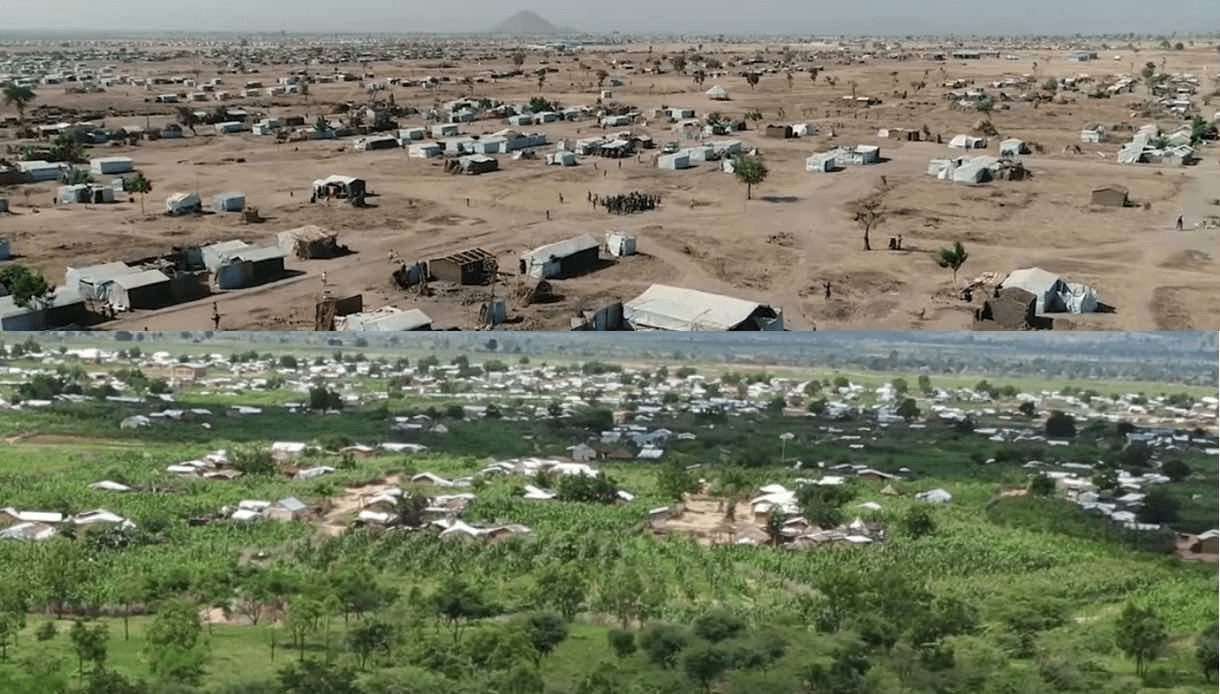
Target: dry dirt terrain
(797, 233)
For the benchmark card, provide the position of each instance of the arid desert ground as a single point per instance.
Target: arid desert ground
(797, 233)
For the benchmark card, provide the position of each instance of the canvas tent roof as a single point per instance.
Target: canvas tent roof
(1033, 279)
(675, 308)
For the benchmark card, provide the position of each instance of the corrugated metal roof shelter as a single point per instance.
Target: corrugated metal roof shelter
(215, 254)
(662, 307)
(562, 259)
(140, 290)
(229, 202)
(471, 266)
(64, 308)
(86, 279)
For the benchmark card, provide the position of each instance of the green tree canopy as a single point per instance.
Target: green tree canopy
(750, 171)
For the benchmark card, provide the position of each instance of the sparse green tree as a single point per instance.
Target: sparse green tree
(28, 287)
(1041, 485)
(750, 171)
(18, 97)
(953, 258)
(140, 184)
(1140, 634)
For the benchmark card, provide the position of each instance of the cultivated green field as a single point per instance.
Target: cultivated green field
(987, 593)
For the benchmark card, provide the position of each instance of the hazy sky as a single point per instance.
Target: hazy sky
(890, 17)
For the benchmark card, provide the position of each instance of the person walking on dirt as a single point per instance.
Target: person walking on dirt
(215, 316)
(1179, 222)
(827, 286)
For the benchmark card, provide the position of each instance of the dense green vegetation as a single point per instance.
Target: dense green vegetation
(988, 593)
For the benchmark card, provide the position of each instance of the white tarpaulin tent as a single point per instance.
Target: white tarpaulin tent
(183, 203)
(663, 307)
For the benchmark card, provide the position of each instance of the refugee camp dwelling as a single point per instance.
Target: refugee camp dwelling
(65, 308)
(1053, 294)
(147, 289)
(620, 243)
(446, 130)
(475, 164)
(675, 161)
(825, 162)
(308, 242)
(38, 171)
(374, 142)
(778, 131)
(385, 319)
(287, 509)
(343, 187)
(111, 165)
(252, 266)
(967, 142)
(567, 258)
(561, 158)
(1012, 308)
(1093, 136)
(88, 193)
(717, 93)
(472, 266)
(230, 127)
(1112, 195)
(662, 307)
(425, 150)
(406, 135)
(229, 202)
(182, 204)
(861, 155)
(1013, 147)
(975, 170)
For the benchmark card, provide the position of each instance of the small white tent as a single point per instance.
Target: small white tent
(717, 93)
(183, 203)
(967, 142)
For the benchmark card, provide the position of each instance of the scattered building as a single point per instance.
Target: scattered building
(662, 307)
(568, 258)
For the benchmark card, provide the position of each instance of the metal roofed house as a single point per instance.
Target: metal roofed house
(244, 266)
(229, 202)
(662, 307)
(562, 259)
(342, 187)
(64, 308)
(470, 266)
(148, 289)
(183, 203)
(111, 165)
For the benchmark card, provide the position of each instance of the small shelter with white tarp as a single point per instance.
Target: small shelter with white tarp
(663, 307)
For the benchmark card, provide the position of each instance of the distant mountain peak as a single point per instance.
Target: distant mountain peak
(525, 23)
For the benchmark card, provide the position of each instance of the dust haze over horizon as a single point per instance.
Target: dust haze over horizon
(865, 17)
